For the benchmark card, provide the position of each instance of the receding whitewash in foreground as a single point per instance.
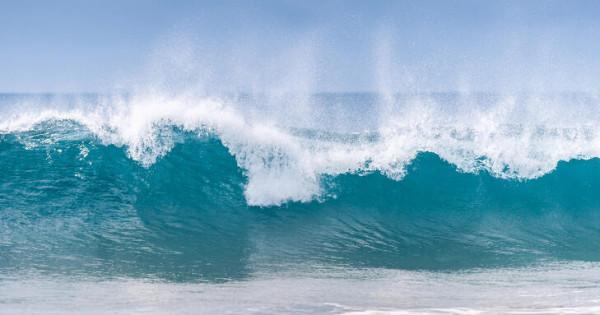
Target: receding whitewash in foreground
(571, 288)
(511, 137)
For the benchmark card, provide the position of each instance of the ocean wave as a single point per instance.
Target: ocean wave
(75, 204)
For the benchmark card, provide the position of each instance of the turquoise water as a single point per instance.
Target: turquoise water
(104, 191)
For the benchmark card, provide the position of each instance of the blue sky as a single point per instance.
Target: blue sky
(72, 46)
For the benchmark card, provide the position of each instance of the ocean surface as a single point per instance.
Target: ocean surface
(442, 203)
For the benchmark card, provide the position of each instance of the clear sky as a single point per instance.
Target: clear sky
(87, 45)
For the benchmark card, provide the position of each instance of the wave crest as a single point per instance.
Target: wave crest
(285, 158)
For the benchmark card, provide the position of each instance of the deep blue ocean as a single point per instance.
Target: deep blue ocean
(331, 203)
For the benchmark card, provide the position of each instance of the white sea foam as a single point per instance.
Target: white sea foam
(519, 137)
(555, 289)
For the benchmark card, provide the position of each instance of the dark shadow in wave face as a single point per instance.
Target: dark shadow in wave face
(84, 209)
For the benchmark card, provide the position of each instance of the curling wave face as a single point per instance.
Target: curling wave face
(188, 188)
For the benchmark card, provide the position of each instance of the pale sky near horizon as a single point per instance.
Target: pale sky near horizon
(96, 46)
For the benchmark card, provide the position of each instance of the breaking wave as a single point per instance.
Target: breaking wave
(285, 146)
